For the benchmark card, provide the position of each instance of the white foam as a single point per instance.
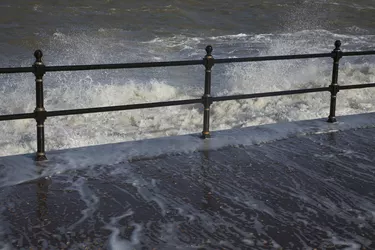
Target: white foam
(21, 168)
(240, 35)
(115, 241)
(91, 200)
(106, 88)
(349, 245)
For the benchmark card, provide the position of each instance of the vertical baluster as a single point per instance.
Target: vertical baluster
(334, 87)
(208, 62)
(40, 112)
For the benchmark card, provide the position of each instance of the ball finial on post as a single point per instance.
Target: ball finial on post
(337, 44)
(209, 50)
(38, 54)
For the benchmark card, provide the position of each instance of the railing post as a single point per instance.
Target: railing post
(40, 112)
(208, 62)
(334, 87)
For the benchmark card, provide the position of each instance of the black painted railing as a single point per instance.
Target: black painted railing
(39, 69)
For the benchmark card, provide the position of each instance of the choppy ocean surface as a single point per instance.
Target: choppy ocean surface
(82, 191)
(83, 32)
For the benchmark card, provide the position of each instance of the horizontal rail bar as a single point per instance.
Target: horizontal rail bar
(271, 58)
(179, 102)
(122, 107)
(16, 70)
(17, 116)
(122, 65)
(357, 86)
(176, 63)
(358, 53)
(268, 94)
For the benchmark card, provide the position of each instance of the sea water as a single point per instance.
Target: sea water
(95, 32)
(106, 31)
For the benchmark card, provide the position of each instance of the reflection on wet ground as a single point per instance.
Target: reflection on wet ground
(314, 191)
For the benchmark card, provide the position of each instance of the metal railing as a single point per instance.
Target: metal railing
(39, 69)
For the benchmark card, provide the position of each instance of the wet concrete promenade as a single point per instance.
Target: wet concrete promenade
(307, 185)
